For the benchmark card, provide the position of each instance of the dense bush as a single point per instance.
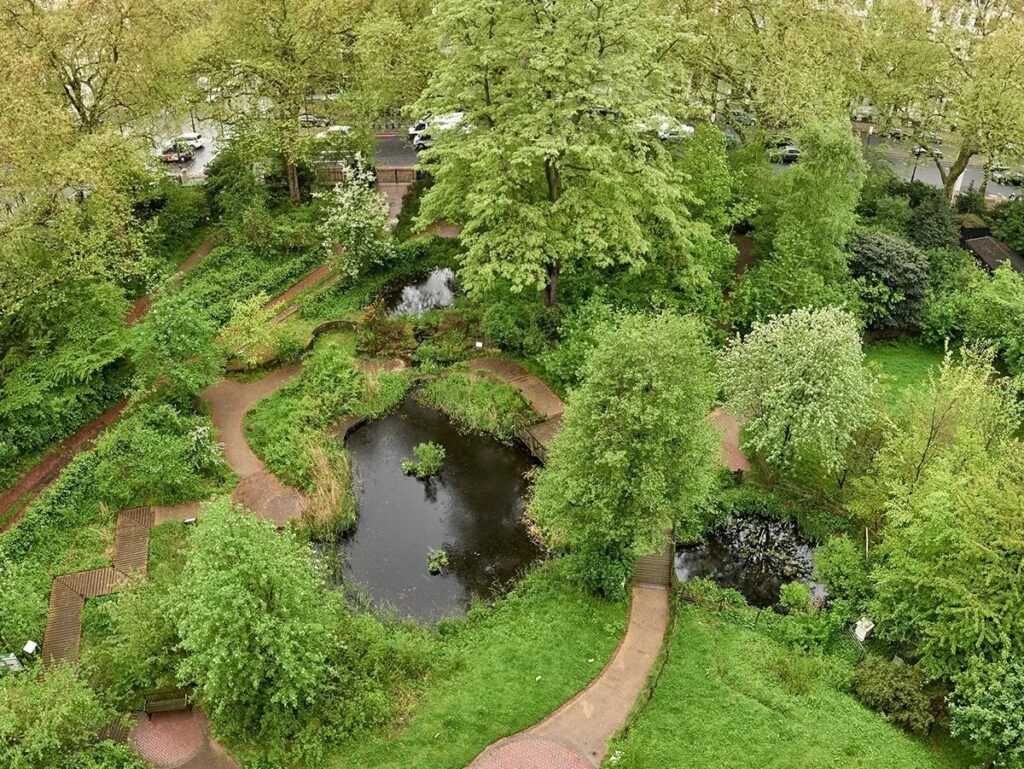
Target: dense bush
(521, 325)
(988, 710)
(1008, 223)
(892, 278)
(931, 223)
(896, 689)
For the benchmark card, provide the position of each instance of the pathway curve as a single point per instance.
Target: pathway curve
(38, 478)
(576, 735)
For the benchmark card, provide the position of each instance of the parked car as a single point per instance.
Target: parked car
(784, 151)
(193, 140)
(434, 126)
(1009, 178)
(997, 168)
(312, 121)
(920, 152)
(177, 152)
(667, 128)
(334, 131)
(742, 117)
(898, 134)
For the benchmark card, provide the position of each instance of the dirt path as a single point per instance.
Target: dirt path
(259, 490)
(37, 478)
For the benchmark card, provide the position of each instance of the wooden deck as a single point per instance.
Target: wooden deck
(68, 592)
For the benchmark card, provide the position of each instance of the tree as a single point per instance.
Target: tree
(807, 214)
(54, 722)
(988, 710)
(949, 63)
(278, 664)
(895, 688)
(556, 161)
(946, 573)
(800, 384)
(354, 230)
(786, 61)
(892, 278)
(636, 452)
(264, 64)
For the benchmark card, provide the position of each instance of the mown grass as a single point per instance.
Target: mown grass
(476, 405)
(902, 366)
(498, 672)
(730, 697)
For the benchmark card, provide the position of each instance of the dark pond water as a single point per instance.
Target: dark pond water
(753, 555)
(472, 510)
(421, 292)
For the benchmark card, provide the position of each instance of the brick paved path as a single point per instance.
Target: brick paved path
(526, 752)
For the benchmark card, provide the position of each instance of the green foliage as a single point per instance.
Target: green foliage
(892, 278)
(988, 710)
(945, 575)
(800, 382)
(806, 217)
(154, 454)
(429, 460)
(437, 560)
(731, 696)
(381, 335)
(53, 722)
(544, 182)
(521, 326)
(795, 597)
(1008, 223)
(839, 564)
(895, 688)
(931, 224)
(498, 671)
(278, 662)
(579, 331)
(636, 451)
(475, 404)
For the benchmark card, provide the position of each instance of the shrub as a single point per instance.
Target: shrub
(896, 689)
(839, 564)
(795, 597)
(521, 326)
(379, 334)
(578, 333)
(429, 460)
(988, 710)
(1008, 223)
(931, 223)
(892, 278)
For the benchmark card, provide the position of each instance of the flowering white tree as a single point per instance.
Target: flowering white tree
(799, 381)
(354, 230)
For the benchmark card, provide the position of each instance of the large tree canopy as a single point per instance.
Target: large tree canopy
(636, 453)
(556, 160)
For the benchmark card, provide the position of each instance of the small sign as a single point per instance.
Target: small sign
(863, 627)
(31, 647)
(10, 664)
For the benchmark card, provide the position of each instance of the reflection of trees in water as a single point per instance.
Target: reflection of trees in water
(767, 546)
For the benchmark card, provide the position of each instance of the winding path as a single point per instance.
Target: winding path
(576, 735)
(38, 478)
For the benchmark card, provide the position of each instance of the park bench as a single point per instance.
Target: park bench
(166, 700)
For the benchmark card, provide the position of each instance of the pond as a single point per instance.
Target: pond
(753, 554)
(472, 510)
(416, 294)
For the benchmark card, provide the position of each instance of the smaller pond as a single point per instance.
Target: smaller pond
(754, 555)
(416, 294)
(472, 510)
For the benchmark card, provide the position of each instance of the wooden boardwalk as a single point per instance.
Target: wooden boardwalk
(68, 592)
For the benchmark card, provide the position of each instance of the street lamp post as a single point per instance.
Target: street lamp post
(917, 159)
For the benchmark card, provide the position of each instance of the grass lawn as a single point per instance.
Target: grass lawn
(902, 365)
(498, 673)
(730, 697)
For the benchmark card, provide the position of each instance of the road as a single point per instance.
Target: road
(898, 154)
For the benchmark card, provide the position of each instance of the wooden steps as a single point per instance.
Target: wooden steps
(656, 570)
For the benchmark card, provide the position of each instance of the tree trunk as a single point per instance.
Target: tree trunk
(554, 179)
(293, 181)
(551, 289)
(949, 179)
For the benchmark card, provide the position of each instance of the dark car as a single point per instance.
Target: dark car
(784, 151)
(935, 152)
(899, 134)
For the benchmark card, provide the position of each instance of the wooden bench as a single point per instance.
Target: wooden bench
(166, 701)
